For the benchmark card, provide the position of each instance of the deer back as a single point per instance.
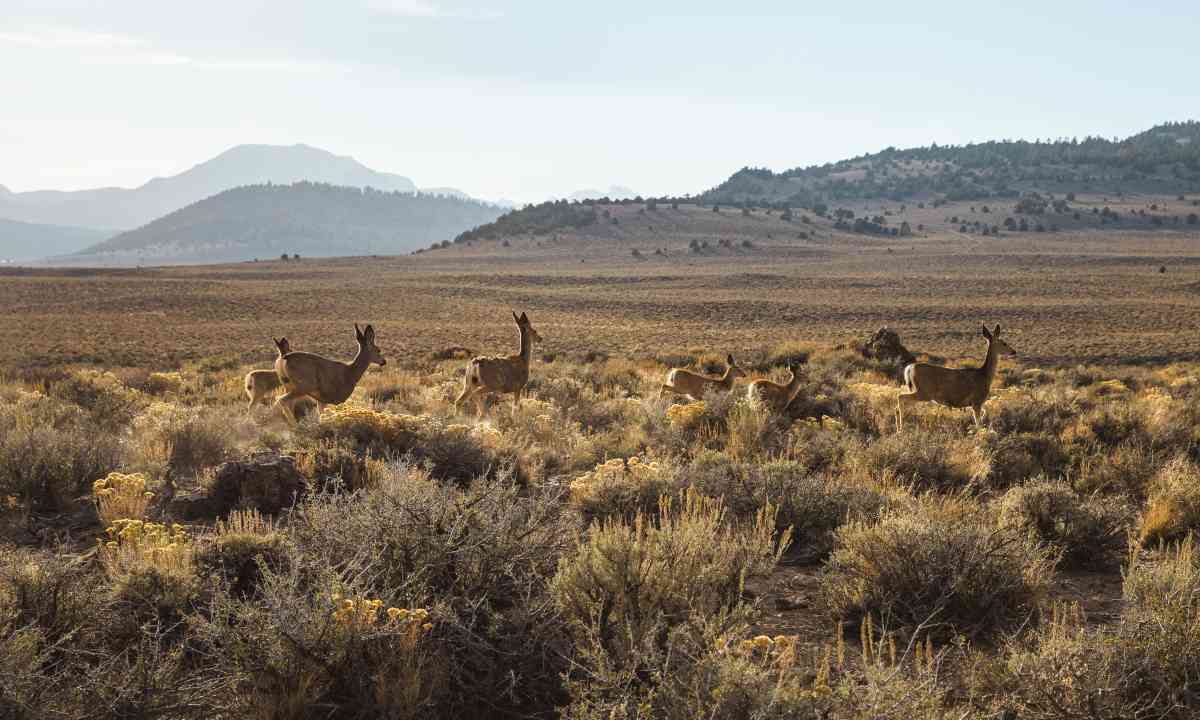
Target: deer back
(326, 381)
(953, 387)
(261, 381)
(691, 383)
(500, 374)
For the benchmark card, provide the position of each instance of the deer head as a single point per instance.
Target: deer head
(525, 326)
(993, 336)
(734, 370)
(282, 345)
(366, 345)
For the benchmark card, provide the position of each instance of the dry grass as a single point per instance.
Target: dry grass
(598, 551)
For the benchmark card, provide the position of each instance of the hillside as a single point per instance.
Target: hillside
(121, 208)
(1164, 159)
(21, 242)
(311, 219)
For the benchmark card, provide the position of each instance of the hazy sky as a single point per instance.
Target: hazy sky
(527, 99)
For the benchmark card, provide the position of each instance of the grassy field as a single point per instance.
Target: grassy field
(600, 551)
(1089, 294)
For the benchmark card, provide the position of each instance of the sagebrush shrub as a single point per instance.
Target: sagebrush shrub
(925, 461)
(487, 552)
(456, 453)
(239, 549)
(1173, 507)
(620, 488)
(1142, 667)
(940, 567)
(50, 453)
(1082, 532)
(628, 580)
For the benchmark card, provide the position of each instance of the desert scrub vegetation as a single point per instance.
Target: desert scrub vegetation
(1082, 532)
(597, 550)
(939, 568)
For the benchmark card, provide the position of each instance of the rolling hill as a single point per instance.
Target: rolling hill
(1164, 159)
(22, 242)
(310, 219)
(123, 209)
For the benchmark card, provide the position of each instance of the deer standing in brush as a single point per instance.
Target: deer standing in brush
(775, 396)
(954, 387)
(328, 382)
(685, 382)
(501, 375)
(261, 382)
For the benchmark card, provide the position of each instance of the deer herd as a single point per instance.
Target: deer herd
(331, 382)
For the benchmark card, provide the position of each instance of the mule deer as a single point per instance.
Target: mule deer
(956, 388)
(329, 382)
(694, 385)
(775, 396)
(500, 374)
(261, 382)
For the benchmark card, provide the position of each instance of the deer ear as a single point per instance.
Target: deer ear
(369, 332)
(996, 332)
(514, 314)
(357, 333)
(729, 359)
(524, 317)
(987, 333)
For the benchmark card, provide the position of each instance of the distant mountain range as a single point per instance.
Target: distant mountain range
(22, 242)
(122, 209)
(305, 218)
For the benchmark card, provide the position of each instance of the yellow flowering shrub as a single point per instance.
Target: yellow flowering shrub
(619, 487)
(120, 496)
(368, 425)
(687, 416)
(132, 545)
(164, 382)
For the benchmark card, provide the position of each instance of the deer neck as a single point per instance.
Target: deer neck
(991, 361)
(793, 388)
(727, 379)
(356, 368)
(526, 345)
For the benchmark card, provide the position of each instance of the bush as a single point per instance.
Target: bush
(1173, 506)
(50, 453)
(107, 401)
(628, 582)
(484, 553)
(176, 439)
(1019, 457)
(455, 453)
(339, 649)
(923, 460)
(1142, 667)
(619, 488)
(1083, 533)
(240, 549)
(939, 568)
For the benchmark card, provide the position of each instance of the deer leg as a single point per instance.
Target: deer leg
(466, 393)
(285, 405)
(903, 399)
(516, 400)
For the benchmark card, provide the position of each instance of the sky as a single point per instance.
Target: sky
(528, 99)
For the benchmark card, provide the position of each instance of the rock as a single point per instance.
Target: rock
(266, 481)
(192, 506)
(885, 345)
